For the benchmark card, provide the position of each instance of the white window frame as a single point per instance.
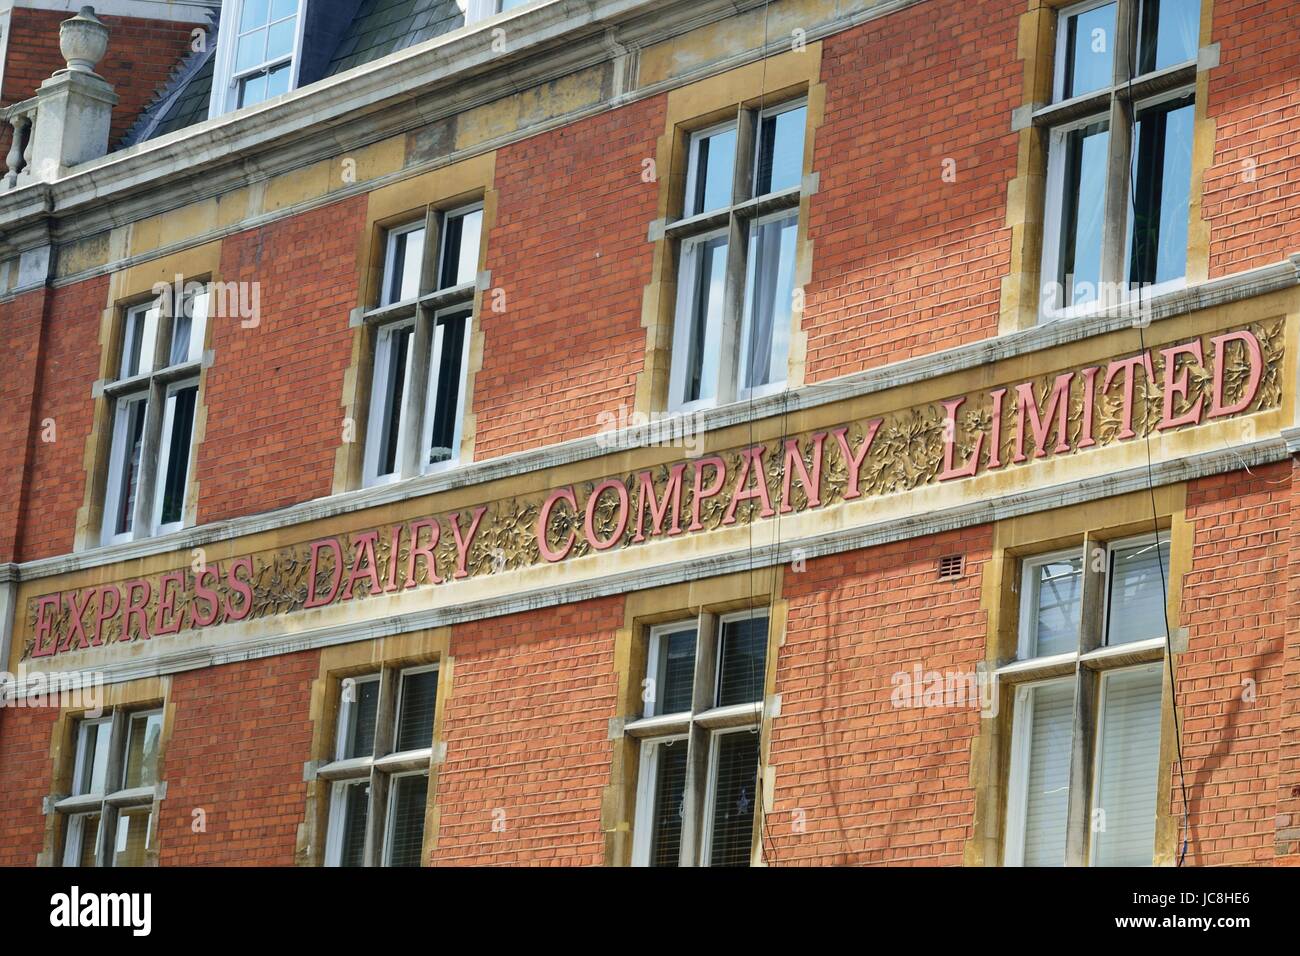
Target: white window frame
(1087, 665)
(155, 384)
(225, 83)
(1102, 104)
(74, 808)
(425, 315)
(1022, 733)
(686, 284)
(164, 455)
(118, 451)
(657, 634)
(390, 262)
(1027, 636)
(375, 423)
(1162, 541)
(1099, 734)
(698, 727)
(711, 790)
(767, 113)
(1055, 193)
(435, 364)
(478, 10)
(1063, 40)
(736, 222)
(745, 393)
(376, 770)
(693, 160)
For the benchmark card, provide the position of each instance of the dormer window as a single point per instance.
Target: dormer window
(476, 10)
(258, 47)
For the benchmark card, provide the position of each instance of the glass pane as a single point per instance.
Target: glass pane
(253, 14)
(1171, 33)
(448, 365)
(670, 791)
(93, 757)
(1050, 710)
(188, 327)
(1083, 212)
(1056, 588)
(83, 834)
(460, 249)
(704, 332)
(769, 290)
(734, 792)
(144, 737)
(713, 171)
(279, 40)
(283, 8)
(138, 336)
(406, 825)
(404, 282)
(250, 51)
(1162, 182)
(674, 673)
(780, 152)
(132, 836)
(415, 723)
(356, 812)
(394, 347)
(1089, 51)
(277, 81)
(1128, 757)
(512, 4)
(360, 707)
(252, 90)
(1138, 577)
(178, 454)
(742, 660)
(131, 422)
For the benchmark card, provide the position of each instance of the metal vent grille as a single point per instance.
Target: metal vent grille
(951, 567)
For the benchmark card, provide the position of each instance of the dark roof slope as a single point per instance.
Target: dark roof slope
(382, 27)
(376, 29)
(183, 100)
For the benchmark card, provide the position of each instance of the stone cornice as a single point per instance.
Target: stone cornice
(1164, 308)
(392, 95)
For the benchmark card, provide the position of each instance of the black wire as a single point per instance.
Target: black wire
(1146, 426)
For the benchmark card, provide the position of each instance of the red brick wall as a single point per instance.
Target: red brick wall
(569, 250)
(866, 782)
(904, 263)
(141, 56)
(241, 736)
(21, 318)
(527, 734)
(1254, 100)
(1234, 606)
(274, 393)
(69, 368)
(25, 768)
(1288, 764)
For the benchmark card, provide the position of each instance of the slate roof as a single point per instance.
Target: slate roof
(378, 28)
(382, 27)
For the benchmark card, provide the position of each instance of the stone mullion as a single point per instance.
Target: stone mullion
(697, 752)
(1091, 615)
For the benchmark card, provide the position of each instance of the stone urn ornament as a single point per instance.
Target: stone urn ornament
(83, 41)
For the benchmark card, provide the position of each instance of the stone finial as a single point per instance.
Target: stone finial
(83, 41)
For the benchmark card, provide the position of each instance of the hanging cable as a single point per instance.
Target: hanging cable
(1139, 325)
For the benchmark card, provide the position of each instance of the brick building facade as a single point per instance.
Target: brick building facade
(624, 433)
